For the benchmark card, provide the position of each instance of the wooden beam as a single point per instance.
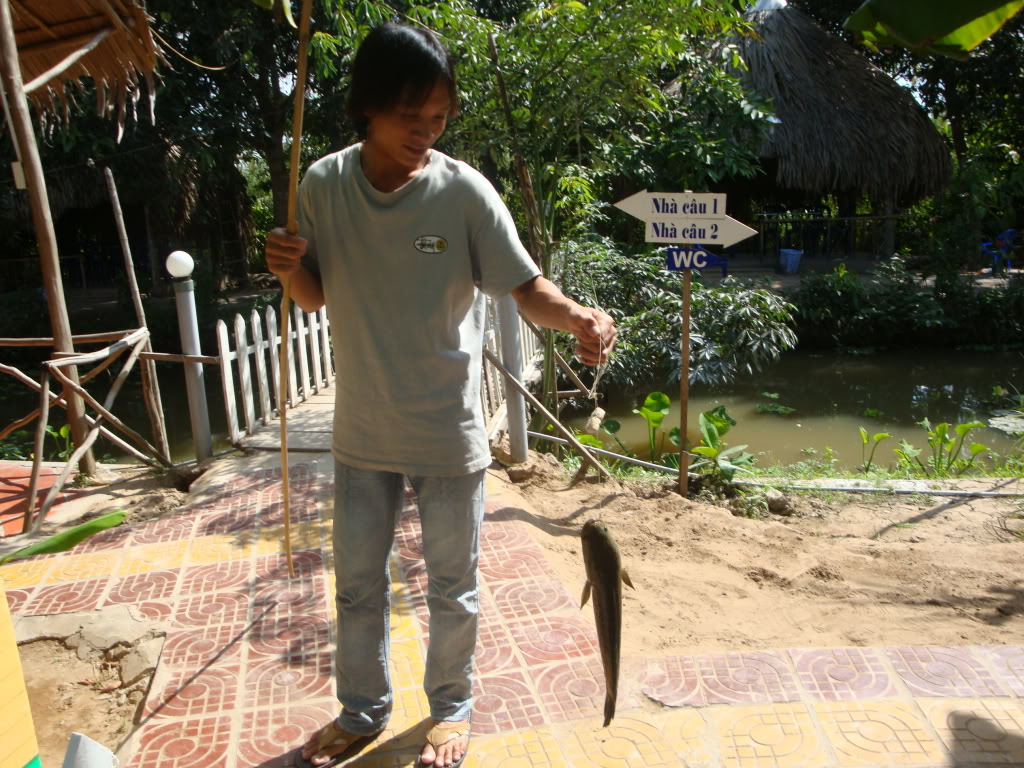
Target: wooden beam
(67, 62)
(47, 341)
(21, 127)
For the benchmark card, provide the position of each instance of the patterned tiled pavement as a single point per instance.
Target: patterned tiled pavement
(246, 669)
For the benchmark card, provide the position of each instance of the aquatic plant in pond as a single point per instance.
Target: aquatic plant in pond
(874, 441)
(718, 460)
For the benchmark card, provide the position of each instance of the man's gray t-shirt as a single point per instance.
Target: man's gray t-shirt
(404, 275)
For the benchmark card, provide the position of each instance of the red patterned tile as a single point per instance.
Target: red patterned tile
(229, 521)
(495, 651)
(201, 743)
(156, 611)
(543, 639)
(112, 538)
(756, 676)
(268, 736)
(195, 648)
(288, 636)
(943, 671)
(160, 531)
(282, 598)
(216, 608)
(142, 587)
(672, 681)
(530, 597)
(1008, 662)
(307, 563)
(194, 693)
(278, 681)
(516, 564)
(300, 510)
(571, 690)
(216, 577)
(66, 598)
(497, 536)
(505, 702)
(843, 674)
(16, 598)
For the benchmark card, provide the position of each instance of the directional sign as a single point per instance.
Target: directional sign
(662, 205)
(722, 231)
(680, 259)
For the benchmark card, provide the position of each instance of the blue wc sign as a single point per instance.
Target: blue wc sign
(679, 259)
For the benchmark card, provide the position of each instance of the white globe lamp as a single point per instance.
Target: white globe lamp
(180, 264)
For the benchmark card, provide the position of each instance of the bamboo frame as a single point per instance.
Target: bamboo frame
(140, 338)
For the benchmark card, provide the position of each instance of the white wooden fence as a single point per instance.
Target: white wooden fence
(249, 354)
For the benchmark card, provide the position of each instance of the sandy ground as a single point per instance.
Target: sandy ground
(68, 694)
(849, 570)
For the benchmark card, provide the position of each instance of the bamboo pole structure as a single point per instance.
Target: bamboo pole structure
(21, 128)
(150, 383)
(519, 387)
(286, 293)
(93, 433)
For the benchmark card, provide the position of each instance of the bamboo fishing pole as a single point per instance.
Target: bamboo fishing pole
(286, 293)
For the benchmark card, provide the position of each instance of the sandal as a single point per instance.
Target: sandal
(332, 736)
(444, 731)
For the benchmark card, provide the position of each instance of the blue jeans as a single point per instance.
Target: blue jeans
(367, 504)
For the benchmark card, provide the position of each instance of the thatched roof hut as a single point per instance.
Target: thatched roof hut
(61, 41)
(846, 127)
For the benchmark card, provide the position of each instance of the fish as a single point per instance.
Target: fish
(605, 577)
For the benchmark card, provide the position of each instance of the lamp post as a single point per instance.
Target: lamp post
(179, 265)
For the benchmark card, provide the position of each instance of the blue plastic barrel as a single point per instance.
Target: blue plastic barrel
(789, 258)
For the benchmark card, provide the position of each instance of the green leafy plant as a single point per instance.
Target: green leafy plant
(65, 540)
(654, 410)
(777, 408)
(718, 460)
(874, 441)
(947, 449)
(62, 437)
(873, 413)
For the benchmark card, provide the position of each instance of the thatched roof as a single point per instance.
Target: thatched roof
(845, 124)
(118, 50)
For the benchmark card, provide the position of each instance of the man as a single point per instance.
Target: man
(401, 242)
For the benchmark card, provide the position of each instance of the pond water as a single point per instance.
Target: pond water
(831, 394)
(834, 396)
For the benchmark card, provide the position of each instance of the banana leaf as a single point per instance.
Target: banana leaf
(65, 540)
(947, 27)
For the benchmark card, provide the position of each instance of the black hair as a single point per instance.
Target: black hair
(398, 64)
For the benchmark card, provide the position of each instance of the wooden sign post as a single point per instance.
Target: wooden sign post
(686, 218)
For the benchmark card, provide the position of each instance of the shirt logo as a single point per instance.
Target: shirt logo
(430, 244)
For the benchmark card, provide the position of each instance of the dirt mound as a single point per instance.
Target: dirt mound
(850, 570)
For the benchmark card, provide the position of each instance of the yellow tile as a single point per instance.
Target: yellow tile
(75, 567)
(877, 733)
(631, 741)
(768, 736)
(153, 557)
(410, 708)
(979, 730)
(17, 735)
(689, 735)
(25, 574)
(524, 749)
(407, 664)
(404, 626)
(217, 549)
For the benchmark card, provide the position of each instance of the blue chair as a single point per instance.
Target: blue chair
(999, 249)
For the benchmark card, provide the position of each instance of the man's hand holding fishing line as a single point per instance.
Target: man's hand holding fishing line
(539, 300)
